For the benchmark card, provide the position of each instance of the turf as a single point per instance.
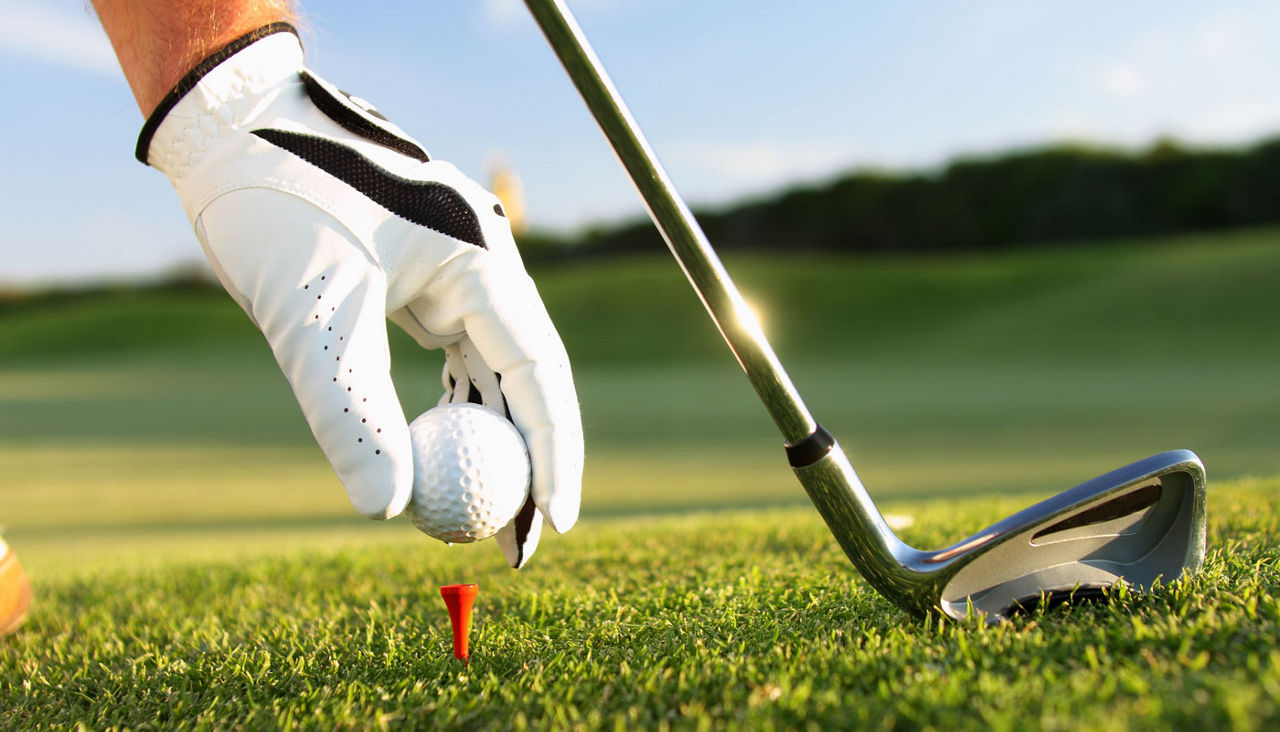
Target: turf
(741, 619)
(197, 564)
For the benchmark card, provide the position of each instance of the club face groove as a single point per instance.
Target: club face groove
(1130, 507)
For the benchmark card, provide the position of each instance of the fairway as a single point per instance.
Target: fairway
(196, 561)
(737, 618)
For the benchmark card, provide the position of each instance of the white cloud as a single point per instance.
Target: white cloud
(1201, 78)
(721, 170)
(58, 33)
(1122, 80)
(1221, 46)
(511, 13)
(1238, 120)
(504, 13)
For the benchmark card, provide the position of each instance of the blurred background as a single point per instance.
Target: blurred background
(1002, 249)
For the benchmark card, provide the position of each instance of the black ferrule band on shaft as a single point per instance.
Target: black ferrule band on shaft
(811, 449)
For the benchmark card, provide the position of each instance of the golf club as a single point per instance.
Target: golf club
(1140, 525)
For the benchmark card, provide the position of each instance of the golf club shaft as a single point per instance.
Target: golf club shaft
(998, 571)
(735, 319)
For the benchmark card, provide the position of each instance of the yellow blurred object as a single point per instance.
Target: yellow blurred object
(505, 184)
(15, 591)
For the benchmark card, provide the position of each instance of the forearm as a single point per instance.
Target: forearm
(158, 42)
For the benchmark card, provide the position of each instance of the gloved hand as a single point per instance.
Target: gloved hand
(322, 219)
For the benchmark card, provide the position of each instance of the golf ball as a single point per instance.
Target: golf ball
(470, 472)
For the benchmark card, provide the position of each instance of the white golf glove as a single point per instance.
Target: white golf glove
(322, 219)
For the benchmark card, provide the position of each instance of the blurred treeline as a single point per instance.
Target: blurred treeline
(1043, 195)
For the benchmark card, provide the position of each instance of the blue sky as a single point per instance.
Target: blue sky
(738, 98)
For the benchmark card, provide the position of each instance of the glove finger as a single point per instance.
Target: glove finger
(454, 378)
(519, 539)
(483, 383)
(321, 305)
(515, 336)
(467, 379)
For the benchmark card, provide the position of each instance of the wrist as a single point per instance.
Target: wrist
(156, 43)
(202, 103)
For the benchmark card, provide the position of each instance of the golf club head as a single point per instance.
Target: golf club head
(1139, 525)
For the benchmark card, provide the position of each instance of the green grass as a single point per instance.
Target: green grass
(197, 563)
(744, 619)
(1108, 351)
(1211, 293)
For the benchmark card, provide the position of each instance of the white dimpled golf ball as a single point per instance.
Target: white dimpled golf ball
(470, 472)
